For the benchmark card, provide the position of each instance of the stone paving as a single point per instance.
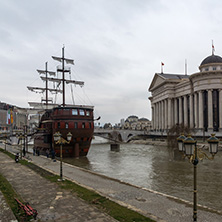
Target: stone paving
(6, 214)
(157, 206)
(52, 203)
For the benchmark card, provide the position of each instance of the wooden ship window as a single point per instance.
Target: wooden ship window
(81, 112)
(74, 112)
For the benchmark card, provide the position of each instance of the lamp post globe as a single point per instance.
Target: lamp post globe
(189, 145)
(180, 140)
(69, 136)
(213, 144)
(57, 136)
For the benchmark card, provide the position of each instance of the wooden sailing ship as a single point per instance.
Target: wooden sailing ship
(77, 119)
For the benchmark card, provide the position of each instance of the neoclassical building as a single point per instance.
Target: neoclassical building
(193, 100)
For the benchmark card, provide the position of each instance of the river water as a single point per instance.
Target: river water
(156, 168)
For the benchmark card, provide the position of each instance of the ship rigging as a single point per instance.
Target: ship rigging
(48, 102)
(63, 119)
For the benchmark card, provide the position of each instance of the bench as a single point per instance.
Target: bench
(27, 209)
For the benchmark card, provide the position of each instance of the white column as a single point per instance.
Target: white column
(180, 111)
(220, 108)
(152, 111)
(159, 115)
(169, 122)
(200, 109)
(175, 111)
(191, 112)
(156, 118)
(163, 114)
(210, 110)
(185, 111)
(159, 118)
(166, 114)
(196, 126)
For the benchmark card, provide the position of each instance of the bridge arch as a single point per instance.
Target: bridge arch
(121, 135)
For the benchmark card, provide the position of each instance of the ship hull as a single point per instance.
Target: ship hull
(77, 120)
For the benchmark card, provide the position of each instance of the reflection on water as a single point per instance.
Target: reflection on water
(155, 168)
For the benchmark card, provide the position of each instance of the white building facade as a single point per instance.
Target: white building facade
(193, 100)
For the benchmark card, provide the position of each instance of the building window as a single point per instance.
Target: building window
(81, 112)
(83, 125)
(58, 124)
(75, 125)
(66, 125)
(214, 68)
(87, 113)
(74, 112)
(206, 69)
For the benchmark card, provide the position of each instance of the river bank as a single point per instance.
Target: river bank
(160, 206)
(149, 142)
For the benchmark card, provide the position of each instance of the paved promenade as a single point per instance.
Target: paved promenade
(6, 213)
(52, 203)
(152, 204)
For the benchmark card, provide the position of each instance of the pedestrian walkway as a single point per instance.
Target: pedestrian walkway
(6, 213)
(52, 203)
(152, 204)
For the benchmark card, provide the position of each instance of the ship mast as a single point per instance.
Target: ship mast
(63, 76)
(46, 84)
(64, 69)
(46, 89)
(46, 72)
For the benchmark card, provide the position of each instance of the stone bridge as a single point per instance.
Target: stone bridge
(117, 135)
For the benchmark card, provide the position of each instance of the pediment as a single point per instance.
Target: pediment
(157, 80)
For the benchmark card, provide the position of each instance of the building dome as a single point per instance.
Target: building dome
(211, 59)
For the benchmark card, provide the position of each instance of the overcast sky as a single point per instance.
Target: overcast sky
(117, 45)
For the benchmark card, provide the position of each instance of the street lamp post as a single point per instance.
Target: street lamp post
(59, 140)
(20, 137)
(188, 146)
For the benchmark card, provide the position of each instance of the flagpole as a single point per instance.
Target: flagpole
(162, 64)
(213, 47)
